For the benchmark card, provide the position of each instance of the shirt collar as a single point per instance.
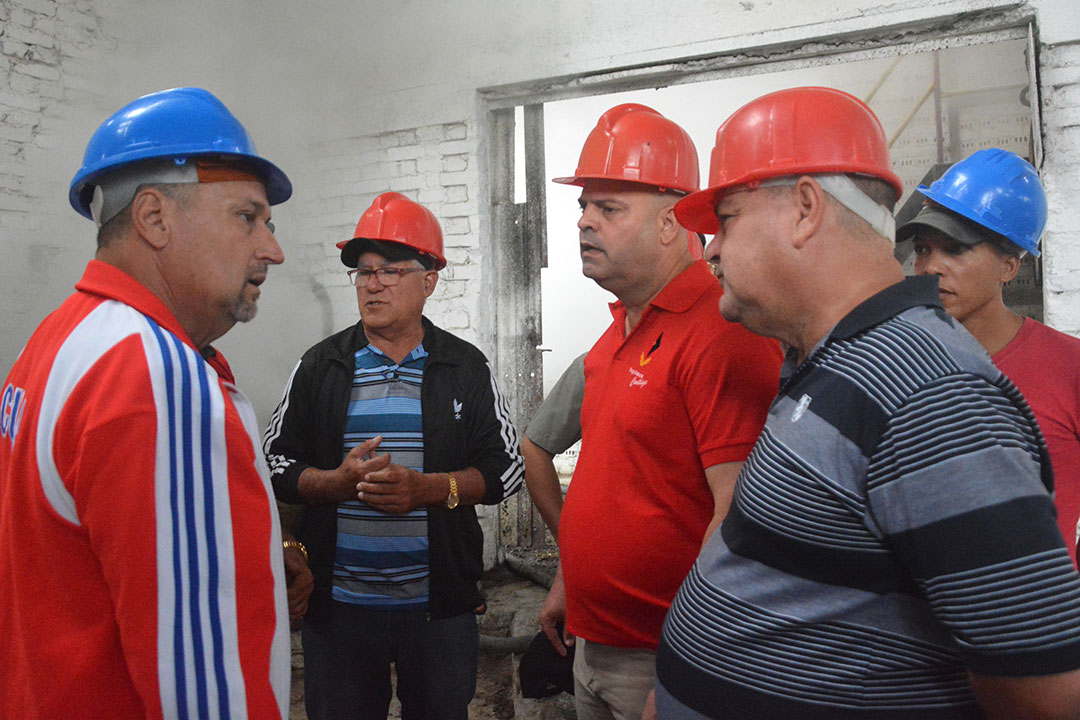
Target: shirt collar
(108, 281)
(915, 291)
(679, 295)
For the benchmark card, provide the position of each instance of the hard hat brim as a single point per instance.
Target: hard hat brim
(351, 250)
(580, 181)
(697, 211)
(954, 226)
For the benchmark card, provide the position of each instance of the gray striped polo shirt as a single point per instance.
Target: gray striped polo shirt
(891, 529)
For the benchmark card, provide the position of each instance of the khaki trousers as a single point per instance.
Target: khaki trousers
(611, 683)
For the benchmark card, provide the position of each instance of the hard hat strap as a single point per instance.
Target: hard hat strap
(845, 192)
(115, 190)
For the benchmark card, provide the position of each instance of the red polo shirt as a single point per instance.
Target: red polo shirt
(684, 391)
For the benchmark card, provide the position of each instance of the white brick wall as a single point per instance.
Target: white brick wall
(1060, 87)
(43, 45)
(431, 164)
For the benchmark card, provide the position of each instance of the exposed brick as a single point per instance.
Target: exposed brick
(16, 100)
(456, 147)
(455, 163)
(459, 241)
(19, 18)
(458, 178)
(404, 152)
(457, 193)
(28, 35)
(51, 90)
(429, 165)
(456, 226)
(431, 195)
(33, 69)
(451, 209)
(429, 134)
(68, 15)
(46, 25)
(23, 83)
(74, 34)
(460, 256)
(16, 133)
(41, 7)
(1066, 96)
(22, 118)
(396, 138)
(1056, 56)
(454, 131)
(454, 319)
(448, 289)
(15, 49)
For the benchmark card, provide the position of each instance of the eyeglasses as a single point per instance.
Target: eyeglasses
(387, 276)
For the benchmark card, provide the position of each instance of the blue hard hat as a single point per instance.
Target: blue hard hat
(998, 190)
(180, 123)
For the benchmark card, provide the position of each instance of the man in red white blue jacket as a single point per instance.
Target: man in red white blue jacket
(141, 551)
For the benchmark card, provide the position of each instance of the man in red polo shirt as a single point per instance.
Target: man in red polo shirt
(675, 397)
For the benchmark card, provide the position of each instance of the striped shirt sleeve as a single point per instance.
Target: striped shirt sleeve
(958, 468)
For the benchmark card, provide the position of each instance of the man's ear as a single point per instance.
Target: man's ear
(150, 216)
(668, 224)
(431, 279)
(810, 202)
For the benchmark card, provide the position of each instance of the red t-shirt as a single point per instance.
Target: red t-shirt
(684, 391)
(1045, 365)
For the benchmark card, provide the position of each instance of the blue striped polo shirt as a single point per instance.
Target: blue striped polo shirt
(382, 558)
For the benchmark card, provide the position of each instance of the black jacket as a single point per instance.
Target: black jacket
(466, 423)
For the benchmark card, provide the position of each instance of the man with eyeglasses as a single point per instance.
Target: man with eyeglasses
(388, 435)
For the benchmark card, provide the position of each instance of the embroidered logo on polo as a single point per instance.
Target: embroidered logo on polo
(457, 409)
(645, 356)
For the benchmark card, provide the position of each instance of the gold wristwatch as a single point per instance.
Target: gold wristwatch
(452, 500)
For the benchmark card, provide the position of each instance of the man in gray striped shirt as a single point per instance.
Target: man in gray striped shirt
(891, 549)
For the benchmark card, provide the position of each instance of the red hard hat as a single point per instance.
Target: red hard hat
(798, 131)
(395, 218)
(635, 143)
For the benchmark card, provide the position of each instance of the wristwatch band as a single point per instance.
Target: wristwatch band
(452, 500)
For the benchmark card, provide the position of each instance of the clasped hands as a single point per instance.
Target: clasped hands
(375, 480)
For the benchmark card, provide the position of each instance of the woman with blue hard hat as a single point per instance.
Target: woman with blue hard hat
(978, 221)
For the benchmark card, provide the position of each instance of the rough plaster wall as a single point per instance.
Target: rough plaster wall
(1060, 88)
(43, 48)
